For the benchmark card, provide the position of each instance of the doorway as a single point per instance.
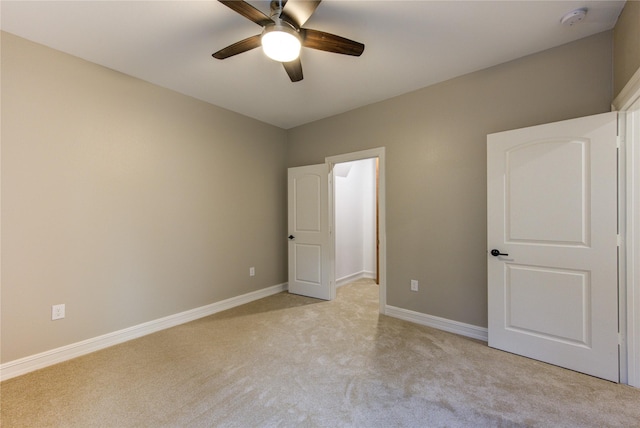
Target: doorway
(377, 157)
(356, 225)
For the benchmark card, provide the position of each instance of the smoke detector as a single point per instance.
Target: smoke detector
(573, 17)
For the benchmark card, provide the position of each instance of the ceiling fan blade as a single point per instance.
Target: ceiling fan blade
(248, 11)
(320, 40)
(297, 12)
(238, 47)
(294, 69)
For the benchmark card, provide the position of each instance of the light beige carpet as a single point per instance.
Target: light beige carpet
(293, 361)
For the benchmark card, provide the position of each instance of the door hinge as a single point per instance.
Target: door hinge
(619, 240)
(618, 141)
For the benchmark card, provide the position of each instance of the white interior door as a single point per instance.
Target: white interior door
(552, 213)
(309, 232)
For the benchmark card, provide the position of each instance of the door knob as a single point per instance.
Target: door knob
(496, 253)
(291, 237)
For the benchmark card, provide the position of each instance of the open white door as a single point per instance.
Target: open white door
(309, 232)
(552, 213)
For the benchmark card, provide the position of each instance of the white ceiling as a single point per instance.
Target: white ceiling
(409, 45)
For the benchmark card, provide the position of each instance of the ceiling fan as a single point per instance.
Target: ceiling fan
(283, 36)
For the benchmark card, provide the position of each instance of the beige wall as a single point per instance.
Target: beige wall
(126, 201)
(435, 141)
(129, 202)
(626, 45)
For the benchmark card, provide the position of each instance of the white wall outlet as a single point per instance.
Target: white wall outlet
(414, 285)
(57, 312)
(252, 271)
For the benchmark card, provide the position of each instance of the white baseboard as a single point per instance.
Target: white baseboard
(354, 277)
(468, 330)
(74, 350)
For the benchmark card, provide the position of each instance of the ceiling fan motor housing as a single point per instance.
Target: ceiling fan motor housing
(281, 41)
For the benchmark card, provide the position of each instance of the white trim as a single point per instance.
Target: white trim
(629, 94)
(630, 229)
(632, 247)
(354, 277)
(463, 329)
(622, 251)
(74, 350)
(355, 156)
(382, 232)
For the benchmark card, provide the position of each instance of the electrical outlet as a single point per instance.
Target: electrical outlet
(252, 271)
(57, 312)
(414, 285)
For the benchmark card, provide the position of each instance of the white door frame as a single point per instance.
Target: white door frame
(630, 233)
(348, 157)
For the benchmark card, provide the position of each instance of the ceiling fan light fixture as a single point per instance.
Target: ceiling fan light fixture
(281, 43)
